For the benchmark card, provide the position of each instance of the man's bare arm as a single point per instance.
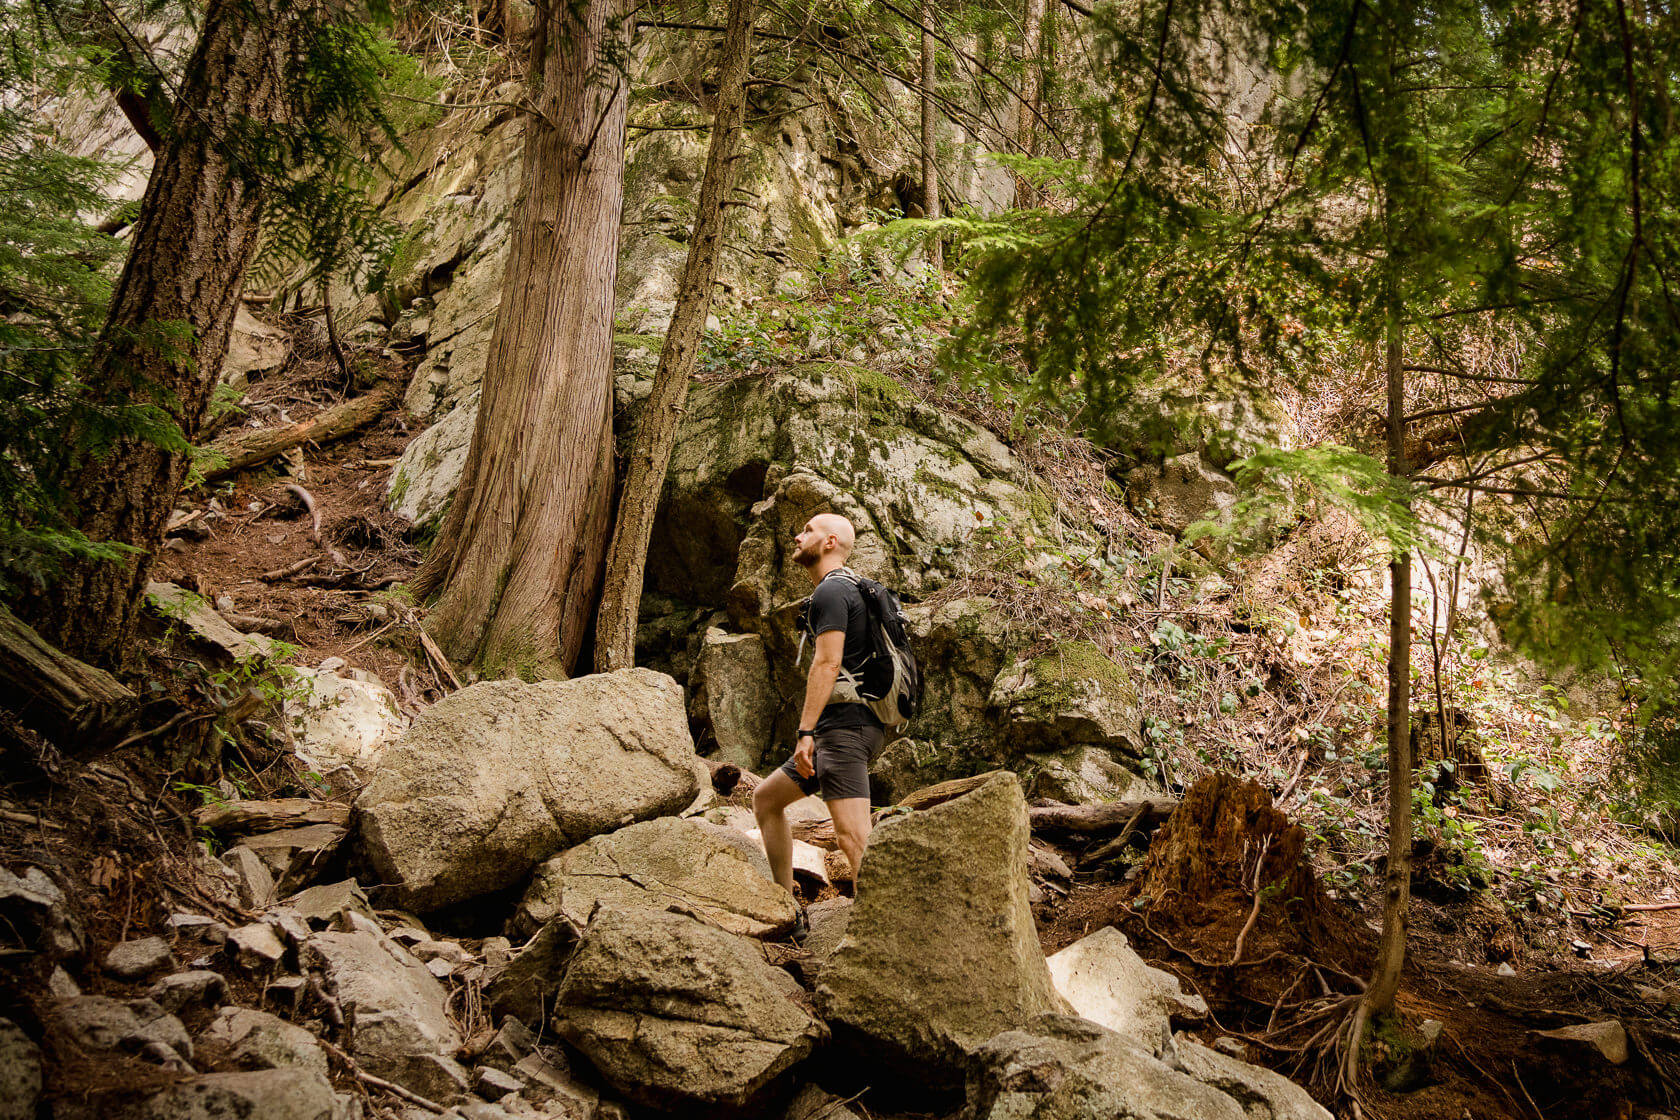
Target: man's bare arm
(819, 686)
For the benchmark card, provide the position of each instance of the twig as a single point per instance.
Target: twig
(1259, 898)
(173, 721)
(360, 642)
(25, 818)
(437, 657)
(308, 500)
(367, 1078)
(290, 569)
(1650, 907)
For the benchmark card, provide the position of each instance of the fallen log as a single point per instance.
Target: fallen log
(940, 792)
(248, 448)
(265, 816)
(69, 701)
(1104, 817)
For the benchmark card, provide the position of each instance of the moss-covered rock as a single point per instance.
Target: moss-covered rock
(1075, 695)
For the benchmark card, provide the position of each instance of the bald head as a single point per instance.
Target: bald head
(824, 544)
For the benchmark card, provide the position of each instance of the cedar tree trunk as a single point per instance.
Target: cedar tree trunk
(166, 333)
(518, 560)
(656, 430)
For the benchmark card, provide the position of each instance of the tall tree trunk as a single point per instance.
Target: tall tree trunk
(930, 139)
(656, 431)
(1032, 95)
(1397, 881)
(166, 333)
(518, 561)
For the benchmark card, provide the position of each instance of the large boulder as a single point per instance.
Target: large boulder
(1105, 981)
(1181, 491)
(341, 718)
(1074, 695)
(940, 952)
(732, 675)
(1063, 1068)
(669, 864)
(395, 1012)
(680, 1015)
(270, 1094)
(20, 1073)
(499, 776)
(1263, 1093)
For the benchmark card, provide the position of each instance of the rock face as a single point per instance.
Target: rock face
(680, 1015)
(940, 952)
(1063, 1068)
(501, 775)
(1181, 491)
(666, 864)
(1105, 981)
(393, 1008)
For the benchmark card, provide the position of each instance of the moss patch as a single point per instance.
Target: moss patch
(1066, 674)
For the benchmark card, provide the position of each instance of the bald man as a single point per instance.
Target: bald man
(837, 738)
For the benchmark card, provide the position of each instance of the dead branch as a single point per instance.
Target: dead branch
(290, 569)
(1087, 819)
(308, 501)
(63, 698)
(248, 448)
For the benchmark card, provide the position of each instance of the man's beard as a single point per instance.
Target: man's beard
(807, 557)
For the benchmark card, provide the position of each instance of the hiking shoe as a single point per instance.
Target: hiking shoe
(801, 928)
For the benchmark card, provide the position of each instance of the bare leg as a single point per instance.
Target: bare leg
(772, 796)
(851, 827)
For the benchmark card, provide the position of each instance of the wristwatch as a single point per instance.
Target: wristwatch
(802, 733)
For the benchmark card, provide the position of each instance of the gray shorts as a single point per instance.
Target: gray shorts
(843, 756)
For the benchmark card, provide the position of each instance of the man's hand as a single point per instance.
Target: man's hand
(804, 756)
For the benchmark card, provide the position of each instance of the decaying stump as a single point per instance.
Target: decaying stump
(1234, 868)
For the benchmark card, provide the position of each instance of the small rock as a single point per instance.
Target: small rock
(33, 908)
(332, 665)
(512, 1044)
(60, 986)
(409, 935)
(815, 1103)
(497, 951)
(1232, 1046)
(1431, 1030)
(286, 992)
(200, 987)
(101, 1024)
(252, 879)
(441, 950)
(440, 968)
(492, 1084)
(258, 1040)
(256, 947)
(320, 906)
(197, 926)
(526, 987)
(293, 930)
(1505, 969)
(546, 1081)
(1608, 1038)
(20, 1073)
(138, 959)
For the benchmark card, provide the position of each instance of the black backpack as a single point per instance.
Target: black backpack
(890, 682)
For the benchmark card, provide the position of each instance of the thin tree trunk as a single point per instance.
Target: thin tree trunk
(1397, 882)
(166, 333)
(656, 430)
(1032, 94)
(518, 561)
(930, 139)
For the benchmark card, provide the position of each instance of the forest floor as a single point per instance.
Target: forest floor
(1517, 928)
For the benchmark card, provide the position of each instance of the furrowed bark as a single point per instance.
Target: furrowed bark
(72, 703)
(656, 430)
(517, 564)
(166, 333)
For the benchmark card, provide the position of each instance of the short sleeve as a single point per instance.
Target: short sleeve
(828, 608)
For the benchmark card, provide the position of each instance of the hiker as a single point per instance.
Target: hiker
(837, 738)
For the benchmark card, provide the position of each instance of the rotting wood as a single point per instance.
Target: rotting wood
(940, 792)
(69, 701)
(249, 448)
(265, 816)
(1087, 819)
